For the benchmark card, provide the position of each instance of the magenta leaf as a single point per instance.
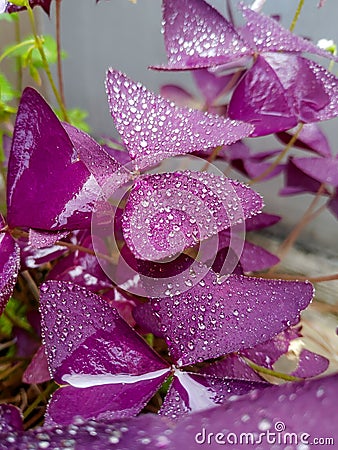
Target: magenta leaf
(153, 128)
(297, 181)
(37, 370)
(42, 239)
(10, 420)
(310, 364)
(304, 406)
(211, 85)
(167, 213)
(179, 96)
(232, 366)
(269, 36)
(197, 36)
(241, 312)
(89, 346)
(102, 402)
(191, 392)
(260, 99)
(324, 170)
(260, 221)
(48, 187)
(310, 138)
(9, 265)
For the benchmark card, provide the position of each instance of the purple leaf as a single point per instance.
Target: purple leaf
(297, 182)
(198, 36)
(104, 402)
(306, 409)
(232, 366)
(42, 239)
(241, 312)
(310, 138)
(9, 265)
(260, 99)
(269, 36)
(32, 258)
(10, 419)
(115, 149)
(310, 364)
(48, 187)
(179, 96)
(267, 353)
(191, 392)
(324, 170)
(109, 174)
(45, 5)
(37, 370)
(152, 128)
(260, 221)
(255, 258)
(147, 319)
(167, 213)
(103, 344)
(211, 85)
(333, 204)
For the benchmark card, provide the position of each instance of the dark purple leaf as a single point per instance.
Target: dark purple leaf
(211, 85)
(310, 138)
(45, 4)
(48, 187)
(333, 204)
(191, 392)
(269, 36)
(297, 182)
(152, 128)
(9, 265)
(267, 353)
(146, 318)
(241, 312)
(260, 221)
(324, 170)
(103, 402)
(109, 174)
(115, 149)
(310, 364)
(198, 36)
(83, 335)
(10, 420)
(37, 370)
(32, 258)
(260, 99)
(167, 213)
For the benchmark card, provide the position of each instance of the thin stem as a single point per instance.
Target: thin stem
(18, 60)
(297, 14)
(213, 155)
(42, 397)
(39, 46)
(58, 46)
(261, 369)
(31, 284)
(279, 158)
(229, 11)
(308, 216)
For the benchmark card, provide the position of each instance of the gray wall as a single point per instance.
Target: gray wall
(126, 36)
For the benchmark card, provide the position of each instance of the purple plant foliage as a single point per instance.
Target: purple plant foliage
(45, 5)
(255, 413)
(269, 97)
(152, 128)
(37, 370)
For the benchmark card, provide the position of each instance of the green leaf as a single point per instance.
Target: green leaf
(7, 17)
(17, 310)
(50, 48)
(7, 91)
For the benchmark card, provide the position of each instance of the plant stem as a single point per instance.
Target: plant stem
(279, 157)
(297, 14)
(261, 369)
(31, 284)
(18, 60)
(58, 45)
(39, 46)
(43, 396)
